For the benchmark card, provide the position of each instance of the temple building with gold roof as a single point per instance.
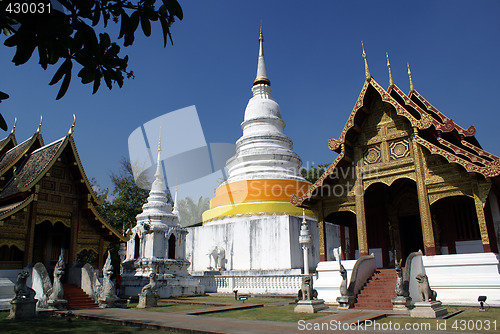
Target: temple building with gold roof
(47, 204)
(408, 178)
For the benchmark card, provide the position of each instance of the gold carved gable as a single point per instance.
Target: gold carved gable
(53, 216)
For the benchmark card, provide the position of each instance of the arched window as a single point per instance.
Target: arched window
(137, 246)
(171, 247)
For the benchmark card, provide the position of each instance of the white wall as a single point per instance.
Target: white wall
(461, 278)
(253, 243)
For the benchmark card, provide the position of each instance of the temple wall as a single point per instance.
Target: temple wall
(256, 243)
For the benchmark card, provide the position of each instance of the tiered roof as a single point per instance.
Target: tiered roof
(434, 131)
(34, 160)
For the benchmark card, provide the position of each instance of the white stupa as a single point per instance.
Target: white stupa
(157, 244)
(251, 227)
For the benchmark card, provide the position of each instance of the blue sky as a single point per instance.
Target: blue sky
(313, 59)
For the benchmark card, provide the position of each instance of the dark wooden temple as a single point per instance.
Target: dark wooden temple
(47, 204)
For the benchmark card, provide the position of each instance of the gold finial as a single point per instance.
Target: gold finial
(409, 75)
(16, 176)
(368, 77)
(261, 42)
(70, 132)
(159, 141)
(14, 127)
(391, 81)
(39, 125)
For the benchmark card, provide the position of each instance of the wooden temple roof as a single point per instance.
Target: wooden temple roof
(7, 143)
(15, 154)
(434, 131)
(33, 165)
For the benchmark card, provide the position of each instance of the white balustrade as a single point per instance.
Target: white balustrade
(262, 284)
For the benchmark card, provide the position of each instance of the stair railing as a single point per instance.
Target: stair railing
(363, 269)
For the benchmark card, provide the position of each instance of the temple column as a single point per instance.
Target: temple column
(75, 217)
(322, 233)
(100, 256)
(30, 235)
(361, 219)
(423, 200)
(359, 193)
(481, 220)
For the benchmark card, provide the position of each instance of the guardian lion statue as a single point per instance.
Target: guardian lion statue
(151, 287)
(306, 288)
(424, 288)
(21, 290)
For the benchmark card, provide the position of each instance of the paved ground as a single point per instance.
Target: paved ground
(189, 323)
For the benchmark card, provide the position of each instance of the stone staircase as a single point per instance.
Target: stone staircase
(77, 298)
(376, 294)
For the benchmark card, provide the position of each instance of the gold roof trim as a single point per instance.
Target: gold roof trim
(368, 76)
(391, 81)
(409, 76)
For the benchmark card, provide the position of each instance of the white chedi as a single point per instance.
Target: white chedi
(263, 151)
(157, 247)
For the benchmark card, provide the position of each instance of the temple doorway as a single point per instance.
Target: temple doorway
(393, 221)
(171, 247)
(48, 242)
(455, 218)
(410, 231)
(344, 243)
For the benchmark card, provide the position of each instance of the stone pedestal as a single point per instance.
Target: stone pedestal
(22, 308)
(345, 302)
(428, 310)
(401, 303)
(107, 302)
(58, 304)
(147, 300)
(310, 306)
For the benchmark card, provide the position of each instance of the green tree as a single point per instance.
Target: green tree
(314, 173)
(191, 212)
(127, 198)
(75, 32)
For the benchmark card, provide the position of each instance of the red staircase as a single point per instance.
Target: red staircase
(376, 294)
(77, 298)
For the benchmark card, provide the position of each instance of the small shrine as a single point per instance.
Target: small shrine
(157, 246)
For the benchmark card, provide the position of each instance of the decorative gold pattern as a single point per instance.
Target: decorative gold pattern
(372, 155)
(399, 149)
(490, 170)
(53, 220)
(12, 242)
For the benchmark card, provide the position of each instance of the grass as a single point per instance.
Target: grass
(470, 320)
(230, 299)
(172, 307)
(275, 313)
(63, 325)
